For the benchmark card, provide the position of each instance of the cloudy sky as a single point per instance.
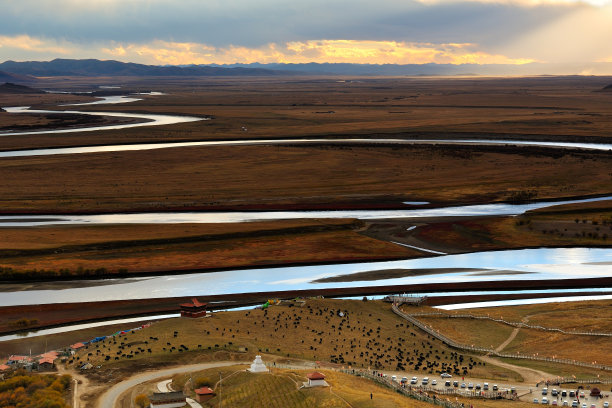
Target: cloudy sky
(358, 31)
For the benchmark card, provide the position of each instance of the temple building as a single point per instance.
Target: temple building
(194, 309)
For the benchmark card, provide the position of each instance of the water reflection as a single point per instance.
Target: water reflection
(543, 263)
(499, 209)
(146, 120)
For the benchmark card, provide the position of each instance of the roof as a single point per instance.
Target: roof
(50, 354)
(18, 358)
(4, 367)
(166, 396)
(77, 346)
(204, 391)
(45, 360)
(195, 303)
(315, 376)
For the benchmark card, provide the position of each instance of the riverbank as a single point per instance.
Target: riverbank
(60, 314)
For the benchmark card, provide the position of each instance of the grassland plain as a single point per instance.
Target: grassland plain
(555, 107)
(49, 252)
(368, 335)
(570, 316)
(268, 177)
(245, 390)
(588, 224)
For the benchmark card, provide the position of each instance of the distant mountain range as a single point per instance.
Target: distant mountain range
(7, 77)
(11, 88)
(24, 71)
(94, 67)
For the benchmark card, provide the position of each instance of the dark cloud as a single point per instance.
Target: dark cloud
(253, 23)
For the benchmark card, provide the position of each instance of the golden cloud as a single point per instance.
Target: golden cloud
(321, 51)
(35, 45)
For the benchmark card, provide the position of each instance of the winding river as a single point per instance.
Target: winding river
(524, 264)
(249, 216)
(543, 263)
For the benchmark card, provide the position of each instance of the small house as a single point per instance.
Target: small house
(20, 361)
(194, 309)
(204, 394)
(175, 399)
(316, 379)
(76, 346)
(4, 367)
(46, 364)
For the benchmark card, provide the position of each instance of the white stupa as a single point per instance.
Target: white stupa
(258, 366)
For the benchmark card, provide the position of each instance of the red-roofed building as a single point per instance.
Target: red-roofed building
(19, 360)
(194, 309)
(204, 394)
(4, 367)
(316, 379)
(50, 354)
(46, 363)
(77, 346)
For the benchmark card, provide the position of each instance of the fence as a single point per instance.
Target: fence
(514, 324)
(459, 346)
(410, 392)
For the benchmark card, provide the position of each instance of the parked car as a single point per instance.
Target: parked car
(447, 383)
(455, 384)
(414, 380)
(404, 380)
(565, 403)
(470, 386)
(425, 381)
(575, 404)
(572, 394)
(545, 400)
(564, 393)
(584, 405)
(606, 404)
(554, 392)
(554, 402)
(495, 387)
(544, 391)
(485, 386)
(394, 378)
(446, 375)
(535, 401)
(462, 385)
(434, 382)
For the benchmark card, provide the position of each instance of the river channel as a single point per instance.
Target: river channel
(527, 264)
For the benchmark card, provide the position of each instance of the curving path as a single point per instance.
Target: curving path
(109, 398)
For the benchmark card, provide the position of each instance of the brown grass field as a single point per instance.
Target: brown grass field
(570, 316)
(369, 335)
(588, 225)
(186, 247)
(305, 177)
(280, 389)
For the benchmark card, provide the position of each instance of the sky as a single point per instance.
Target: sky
(173, 32)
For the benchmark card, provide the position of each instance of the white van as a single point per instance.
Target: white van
(425, 381)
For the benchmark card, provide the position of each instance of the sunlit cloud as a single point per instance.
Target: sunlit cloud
(528, 3)
(320, 51)
(34, 45)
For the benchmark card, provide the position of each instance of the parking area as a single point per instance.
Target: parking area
(562, 396)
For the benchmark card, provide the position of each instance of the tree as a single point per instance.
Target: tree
(141, 400)
(202, 382)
